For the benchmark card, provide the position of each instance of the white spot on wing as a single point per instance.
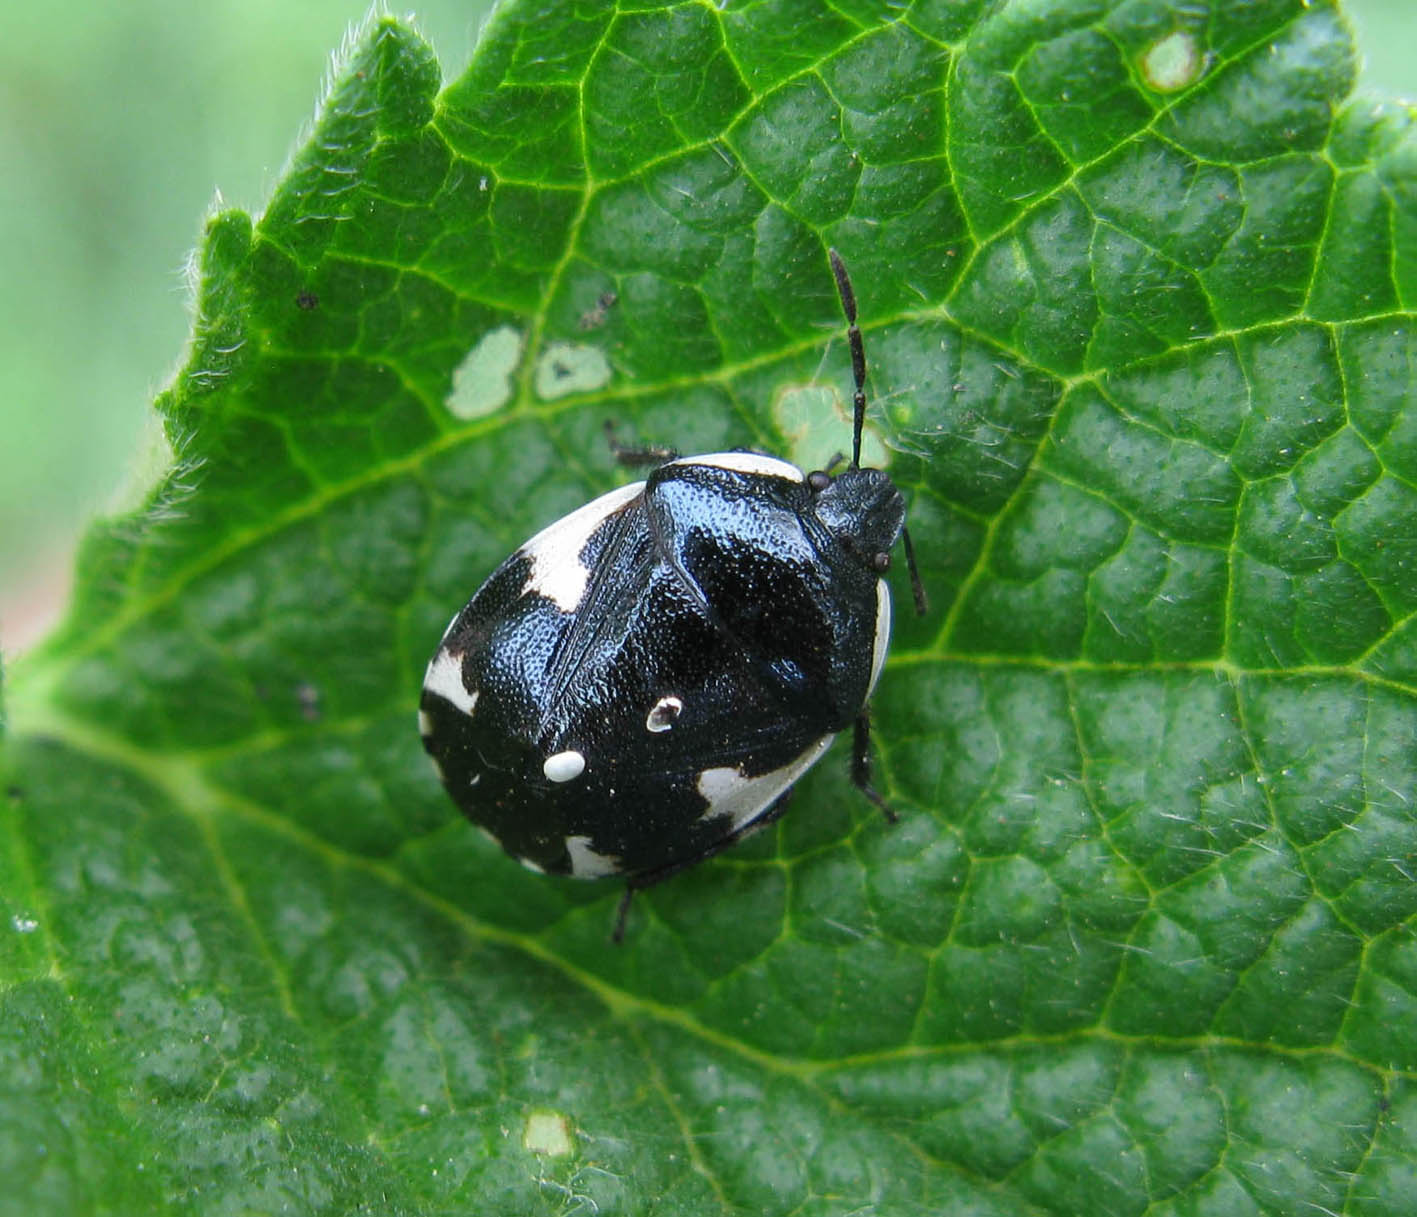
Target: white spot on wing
(444, 677)
(586, 863)
(425, 724)
(746, 462)
(741, 799)
(661, 717)
(532, 866)
(564, 766)
(883, 633)
(555, 552)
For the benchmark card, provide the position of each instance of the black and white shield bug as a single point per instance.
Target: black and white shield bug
(639, 685)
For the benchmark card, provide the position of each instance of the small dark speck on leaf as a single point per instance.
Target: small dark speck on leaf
(14, 792)
(594, 318)
(307, 301)
(309, 698)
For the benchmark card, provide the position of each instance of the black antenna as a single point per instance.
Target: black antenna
(917, 589)
(858, 355)
(858, 420)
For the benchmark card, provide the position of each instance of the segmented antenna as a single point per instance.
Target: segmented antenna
(858, 403)
(858, 355)
(917, 589)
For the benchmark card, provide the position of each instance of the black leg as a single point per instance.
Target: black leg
(861, 764)
(651, 454)
(772, 812)
(618, 933)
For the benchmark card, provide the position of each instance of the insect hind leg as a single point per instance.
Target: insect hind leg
(772, 812)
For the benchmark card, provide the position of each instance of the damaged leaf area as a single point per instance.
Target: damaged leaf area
(1136, 280)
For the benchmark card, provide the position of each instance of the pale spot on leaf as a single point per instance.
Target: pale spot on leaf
(1172, 63)
(483, 381)
(817, 425)
(549, 1133)
(565, 368)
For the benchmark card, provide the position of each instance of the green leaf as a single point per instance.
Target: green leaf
(1137, 281)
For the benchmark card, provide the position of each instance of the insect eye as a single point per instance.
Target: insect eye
(881, 562)
(819, 480)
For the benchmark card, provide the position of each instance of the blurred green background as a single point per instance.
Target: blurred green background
(119, 123)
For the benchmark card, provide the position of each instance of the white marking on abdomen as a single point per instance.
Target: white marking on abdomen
(586, 863)
(444, 677)
(563, 766)
(557, 571)
(741, 799)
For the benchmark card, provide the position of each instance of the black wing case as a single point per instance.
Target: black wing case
(701, 663)
(802, 610)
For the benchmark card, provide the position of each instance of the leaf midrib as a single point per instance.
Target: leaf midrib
(188, 790)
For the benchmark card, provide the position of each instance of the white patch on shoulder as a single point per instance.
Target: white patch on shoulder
(425, 723)
(444, 677)
(563, 767)
(530, 865)
(747, 462)
(586, 863)
(883, 634)
(741, 799)
(557, 572)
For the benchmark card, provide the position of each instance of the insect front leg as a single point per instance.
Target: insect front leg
(628, 455)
